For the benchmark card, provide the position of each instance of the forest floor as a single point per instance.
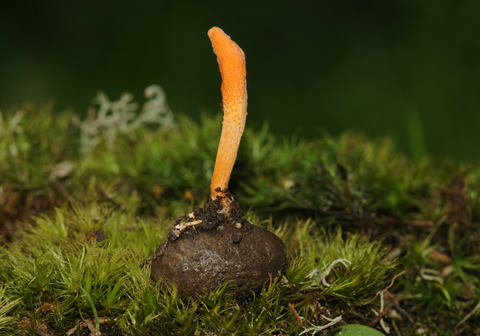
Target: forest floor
(373, 237)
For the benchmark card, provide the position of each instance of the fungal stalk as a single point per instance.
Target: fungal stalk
(231, 60)
(214, 245)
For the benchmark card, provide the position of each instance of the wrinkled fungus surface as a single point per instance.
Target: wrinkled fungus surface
(205, 250)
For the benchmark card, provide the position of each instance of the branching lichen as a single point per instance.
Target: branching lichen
(119, 117)
(9, 131)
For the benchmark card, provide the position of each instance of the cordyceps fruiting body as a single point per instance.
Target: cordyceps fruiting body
(214, 245)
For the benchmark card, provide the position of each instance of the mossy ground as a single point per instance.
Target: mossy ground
(367, 229)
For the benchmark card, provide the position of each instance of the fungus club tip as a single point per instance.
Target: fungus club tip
(231, 61)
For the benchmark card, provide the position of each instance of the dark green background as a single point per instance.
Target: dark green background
(312, 65)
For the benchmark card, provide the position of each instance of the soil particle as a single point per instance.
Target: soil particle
(100, 235)
(201, 256)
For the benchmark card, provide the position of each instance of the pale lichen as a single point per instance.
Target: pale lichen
(114, 118)
(322, 275)
(8, 130)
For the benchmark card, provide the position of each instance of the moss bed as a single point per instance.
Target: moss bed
(373, 237)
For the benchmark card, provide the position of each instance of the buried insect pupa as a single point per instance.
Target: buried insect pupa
(214, 245)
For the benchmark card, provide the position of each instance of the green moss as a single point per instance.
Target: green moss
(59, 262)
(353, 212)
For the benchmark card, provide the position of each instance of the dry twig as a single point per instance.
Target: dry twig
(292, 308)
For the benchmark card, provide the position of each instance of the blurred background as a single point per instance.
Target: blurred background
(406, 69)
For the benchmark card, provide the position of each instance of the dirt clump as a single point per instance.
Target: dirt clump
(205, 249)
